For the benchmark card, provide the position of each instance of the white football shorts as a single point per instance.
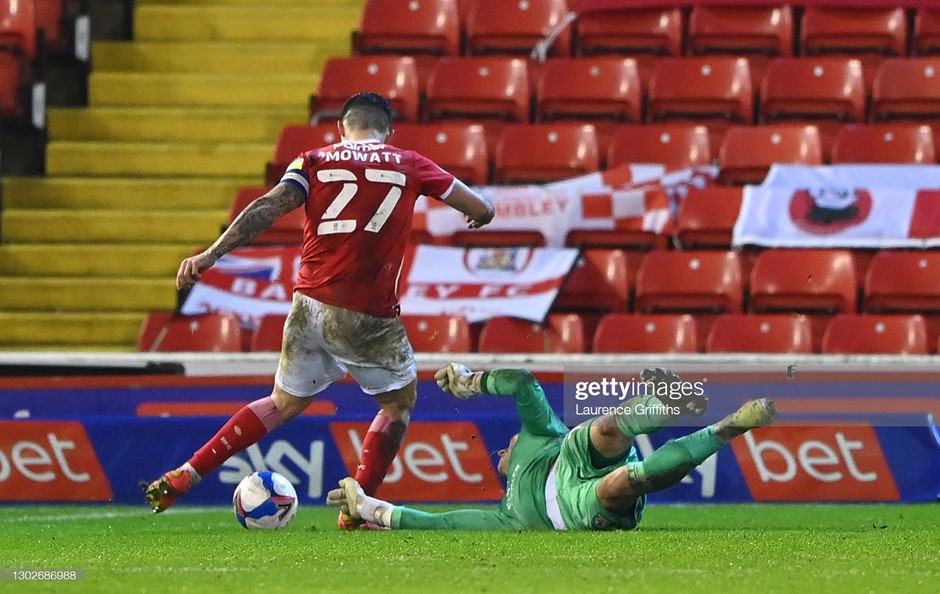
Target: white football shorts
(322, 342)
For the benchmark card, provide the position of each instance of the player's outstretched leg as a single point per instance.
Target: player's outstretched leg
(670, 463)
(246, 428)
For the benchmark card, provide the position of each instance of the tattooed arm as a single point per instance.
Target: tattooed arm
(257, 217)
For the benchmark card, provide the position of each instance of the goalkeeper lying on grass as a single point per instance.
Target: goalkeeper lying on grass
(588, 478)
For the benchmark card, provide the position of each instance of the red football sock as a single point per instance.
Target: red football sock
(247, 427)
(379, 447)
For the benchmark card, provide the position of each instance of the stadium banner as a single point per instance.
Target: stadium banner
(633, 197)
(480, 283)
(477, 282)
(838, 439)
(853, 206)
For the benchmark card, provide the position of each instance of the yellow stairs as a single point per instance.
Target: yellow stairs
(177, 120)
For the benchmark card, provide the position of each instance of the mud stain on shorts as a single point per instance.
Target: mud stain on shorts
(297, 340)
(366, 339)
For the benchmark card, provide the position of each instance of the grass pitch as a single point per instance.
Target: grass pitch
(678, 549)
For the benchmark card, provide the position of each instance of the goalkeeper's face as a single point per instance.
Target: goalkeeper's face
(503, 465)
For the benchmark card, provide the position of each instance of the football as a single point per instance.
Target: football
(264, 501)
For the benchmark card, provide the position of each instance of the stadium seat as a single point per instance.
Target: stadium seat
(603, 90)
(676, 146)
(707, 217)
(824, 91)
(654, 31)
(907, 89)
(516, 27)
(538, 153)
(884, 143)
(459, 148)
(810, 280)
(438, 334)
(501, 238)
(295, 140)
(689, 281)
(873, 334)
(747, 152)
(50, 17)
(287, 230)
(395, 77)
(268, 336)
(845, 30)
(150, 329)
(637, 333)
(215, 333)
(409, 27)
(903, 281)
(713, 90)
(17, 50)
(562, 333)
(768, 333)
(597, 282)
(926, 32)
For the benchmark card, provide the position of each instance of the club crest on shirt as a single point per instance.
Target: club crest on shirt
(829, 210)
(497, 262)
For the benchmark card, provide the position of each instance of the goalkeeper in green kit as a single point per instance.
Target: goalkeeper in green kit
(587, 478)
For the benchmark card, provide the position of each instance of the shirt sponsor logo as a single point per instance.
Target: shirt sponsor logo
(791, 463)
(439, 461)
(49, 461)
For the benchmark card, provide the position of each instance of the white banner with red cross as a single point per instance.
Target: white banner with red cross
(854, 206)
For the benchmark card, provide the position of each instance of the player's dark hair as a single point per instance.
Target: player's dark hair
(367, 111)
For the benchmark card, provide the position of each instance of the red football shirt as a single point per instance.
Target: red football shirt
(360, 205)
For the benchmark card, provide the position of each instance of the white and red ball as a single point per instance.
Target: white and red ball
(264, 501)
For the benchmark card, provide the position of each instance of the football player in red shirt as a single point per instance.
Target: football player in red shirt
(359, 196)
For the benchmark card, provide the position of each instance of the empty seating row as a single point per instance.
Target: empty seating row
(566, 333)
(449, 27)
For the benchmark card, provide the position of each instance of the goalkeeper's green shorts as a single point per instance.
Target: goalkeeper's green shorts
(576, 506)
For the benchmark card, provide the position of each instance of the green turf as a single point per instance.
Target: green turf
(678, 549)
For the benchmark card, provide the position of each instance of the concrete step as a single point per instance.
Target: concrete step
(86, 294)
(195, 228)
(121, 260)
(215, 57)
(48, 330)
(308, 22)
(132, 194)
(201, 90)
(72, 157)
(173, 124)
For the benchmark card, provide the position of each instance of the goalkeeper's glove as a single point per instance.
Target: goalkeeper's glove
(459, 380)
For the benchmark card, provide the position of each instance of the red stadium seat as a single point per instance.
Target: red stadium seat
(150, 329)
(215, 333)
(674, 145)
(844, 30)
(438, 334)
(663, 333)
(654, 31)
(50, 17)
(295, 140)
(394, 77)
(479, 87)
(459, 148)
(747, 152)
(707, 217)
(690, 281)
(268, 336)
(907, 89)
(825, 91)
(17, 50)
(808, 280)
(713, 90)
(562, 333)
(927, 31)
(902, 281)
(884, 143)
(409, 27)
(537, 153)
(516, 27)
(598, 281)
(741, 30)
(769, 333)
(871, 334)
(287, 230)
(502, 238)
